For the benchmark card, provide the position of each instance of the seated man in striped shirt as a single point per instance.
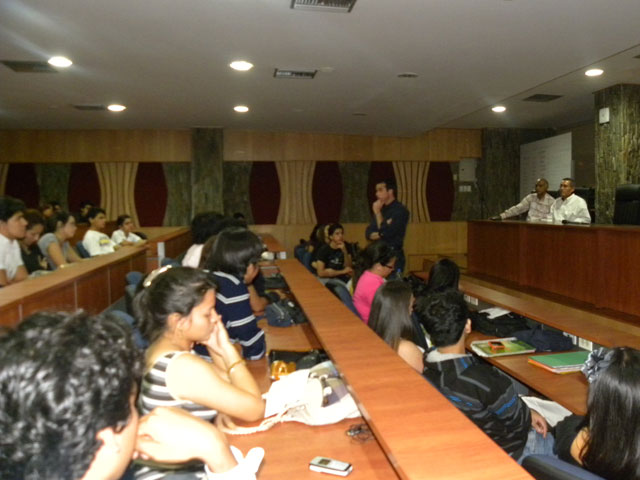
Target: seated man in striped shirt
(537, 205)
(483, 393)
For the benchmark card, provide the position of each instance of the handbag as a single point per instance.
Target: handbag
(314, 396)
(284, 313)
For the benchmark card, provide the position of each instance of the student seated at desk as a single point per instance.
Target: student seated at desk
(391, 320)
(234, 265)
(54, 245)
(12, 227)
(31, 254)
(374, 264)
(607, 441)
(94, 241)
(124, 234)
(203, 227)
(443, 275)
(333, 260)
(176, 310)
(69, 383)
(483, 393)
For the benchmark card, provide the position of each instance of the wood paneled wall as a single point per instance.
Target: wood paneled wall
(437, 145)
(422, 239)
(94, 146)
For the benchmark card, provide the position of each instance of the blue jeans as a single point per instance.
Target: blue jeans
(538, 445)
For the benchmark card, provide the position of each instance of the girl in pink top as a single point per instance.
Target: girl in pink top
(376, 262)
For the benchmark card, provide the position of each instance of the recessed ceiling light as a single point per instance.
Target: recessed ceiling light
(499, 109)
(594, 72)
(241, 65)
(241, 108)
(62, 62)
(114, 107)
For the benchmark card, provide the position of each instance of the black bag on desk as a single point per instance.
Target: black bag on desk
(274, 282)
(302, 359)
(545, 340)
(284, 313)
(502, 326)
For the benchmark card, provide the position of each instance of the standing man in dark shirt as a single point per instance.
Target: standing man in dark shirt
(390, 219)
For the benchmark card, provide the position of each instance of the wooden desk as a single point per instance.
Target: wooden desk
(92, 285)
(420, 431)
(568, 390)
(290, 446)
(165, 242)
(604, 329)
(597, 264)
(273, 245)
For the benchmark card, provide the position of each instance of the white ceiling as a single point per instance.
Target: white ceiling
(167, 60)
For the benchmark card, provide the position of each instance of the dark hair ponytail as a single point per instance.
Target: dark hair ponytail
(376, 252)
(177, 290)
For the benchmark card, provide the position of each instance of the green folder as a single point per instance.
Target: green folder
(562, 360)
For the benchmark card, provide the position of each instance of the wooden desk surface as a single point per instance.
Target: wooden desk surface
(421, 432)
(272, 243)
(603, 329)
(290, 446)
(595, 264)
(91, 284)
(599, 328)
(568, 390)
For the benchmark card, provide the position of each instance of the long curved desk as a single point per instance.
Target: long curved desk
(421, 433)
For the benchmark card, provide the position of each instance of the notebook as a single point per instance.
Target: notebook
(560, 362)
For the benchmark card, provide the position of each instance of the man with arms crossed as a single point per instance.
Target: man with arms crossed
(537, 205)
(569, 208)
(390, 219)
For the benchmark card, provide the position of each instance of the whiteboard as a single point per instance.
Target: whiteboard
(549, 158)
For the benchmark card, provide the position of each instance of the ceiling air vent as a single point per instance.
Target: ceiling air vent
(90, 107)
(344, 6)
(541, 98)
(29, 67)
(296, 74)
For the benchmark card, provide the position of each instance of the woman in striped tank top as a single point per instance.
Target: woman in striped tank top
(176, 311)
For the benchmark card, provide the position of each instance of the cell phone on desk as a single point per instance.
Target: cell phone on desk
(331, 466)
(496, 346)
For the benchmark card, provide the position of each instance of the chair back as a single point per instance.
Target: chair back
(83, 252)
(545, 467)
(627, 206)
(340, 290)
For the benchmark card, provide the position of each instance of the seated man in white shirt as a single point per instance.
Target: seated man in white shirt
(13, 226)
(94, 241)
(569, 208)
(124, 235)
(537, 205)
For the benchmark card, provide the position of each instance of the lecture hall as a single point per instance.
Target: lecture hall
(509, 129)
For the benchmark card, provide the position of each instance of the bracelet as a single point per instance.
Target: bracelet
(234, 364)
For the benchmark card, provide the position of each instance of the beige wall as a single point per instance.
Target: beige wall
(423, 240)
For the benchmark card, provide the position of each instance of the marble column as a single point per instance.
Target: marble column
(617, 145)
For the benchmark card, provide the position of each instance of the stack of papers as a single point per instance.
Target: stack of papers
(568, 362)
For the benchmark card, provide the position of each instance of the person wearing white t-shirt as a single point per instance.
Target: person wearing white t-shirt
(13, 226)
(94, 241)
(569, 208)
(124, 235)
